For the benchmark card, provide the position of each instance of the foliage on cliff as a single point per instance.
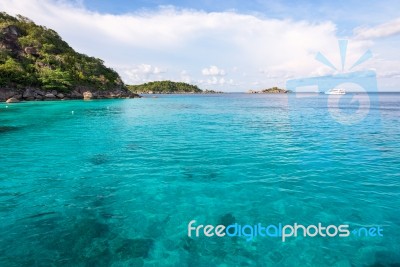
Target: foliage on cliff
(35, 56)
(164, 87)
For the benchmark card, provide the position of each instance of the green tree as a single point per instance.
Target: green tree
(11, 72)
(55, 79)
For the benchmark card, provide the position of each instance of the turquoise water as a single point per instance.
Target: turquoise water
(116, 182)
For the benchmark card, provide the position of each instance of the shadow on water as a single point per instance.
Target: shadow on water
(100, 159)
(214, 251)
(6, 129)
(386, 259)
(377, 264)
(133, 147)
(49, 239)
(200, 174)
(85, 234)
(227, 219)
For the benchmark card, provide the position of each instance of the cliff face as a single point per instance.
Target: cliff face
(35, 62)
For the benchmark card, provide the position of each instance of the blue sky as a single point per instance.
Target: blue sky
(224, 45)
(346, 13)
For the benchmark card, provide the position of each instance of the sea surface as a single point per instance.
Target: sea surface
(116, 182)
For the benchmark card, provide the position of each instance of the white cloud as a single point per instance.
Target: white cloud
(383, 30)
(390, 74)
(213, 71)
(387, 69)
(217, 81)
(185, 77)
(140, 73)
(276, 73)
(147, 69)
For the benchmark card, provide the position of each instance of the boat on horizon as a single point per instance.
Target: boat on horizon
(335, 91)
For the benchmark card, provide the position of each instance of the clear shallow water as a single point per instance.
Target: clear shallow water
(117, 182)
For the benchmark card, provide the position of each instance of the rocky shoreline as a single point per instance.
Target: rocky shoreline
(35, 94)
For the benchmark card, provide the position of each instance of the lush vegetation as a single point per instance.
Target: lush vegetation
(34, 56)
(164, 87)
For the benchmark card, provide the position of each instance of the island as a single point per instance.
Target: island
(168, 87)
(36, 64)
(272, 90)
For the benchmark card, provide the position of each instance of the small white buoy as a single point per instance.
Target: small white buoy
(72, 112)
(6, 106)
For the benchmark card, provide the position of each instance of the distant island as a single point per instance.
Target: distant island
(168, 87)
(36, 64)
(272, 90)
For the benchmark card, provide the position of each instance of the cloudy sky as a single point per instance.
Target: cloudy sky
(227, 45)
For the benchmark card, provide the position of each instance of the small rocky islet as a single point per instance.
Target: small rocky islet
(272, 90)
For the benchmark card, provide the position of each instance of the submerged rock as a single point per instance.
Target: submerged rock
(189, 244)
(227, 219)
(99, 159)
(91, 228)
(135, 248)
(4, 129)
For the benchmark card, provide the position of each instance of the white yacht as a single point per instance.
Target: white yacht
(335, 92)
